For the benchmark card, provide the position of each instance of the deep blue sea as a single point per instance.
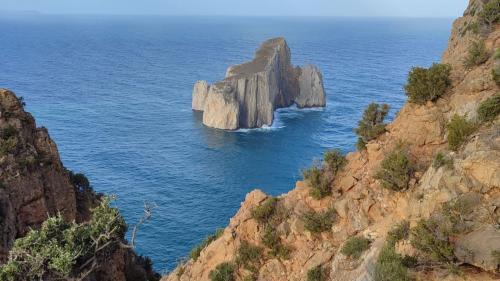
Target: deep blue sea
(115, 93)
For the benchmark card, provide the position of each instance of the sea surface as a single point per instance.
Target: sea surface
(115, 93)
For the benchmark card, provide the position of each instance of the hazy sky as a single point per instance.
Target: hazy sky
(403, 8)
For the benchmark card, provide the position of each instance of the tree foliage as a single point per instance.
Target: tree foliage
(428, 84)
(372, 124)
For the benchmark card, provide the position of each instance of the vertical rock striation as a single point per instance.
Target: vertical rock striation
(250, 93)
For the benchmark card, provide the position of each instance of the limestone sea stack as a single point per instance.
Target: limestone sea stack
(251, 91)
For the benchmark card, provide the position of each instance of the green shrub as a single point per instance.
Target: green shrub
(9, 132)
(399, 232)
(428, 84)
(320, 183)
(7, 146)
(355, 247)
(334, 160)
(60, 249)
(223, 272)
(477, 55)
(316, 274)
(459, 129)
(372, 124)
(272, 241)
(441, 160)
(495, 74)
(265, 211)
(431, 238)
(395, 171)
(196, 251)
(249, 256)
(390, 266)
(79, 181)
(489, 109)
(319, 222)
(490, 13)
(360, 144)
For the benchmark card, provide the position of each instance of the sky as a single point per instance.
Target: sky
(348, 8)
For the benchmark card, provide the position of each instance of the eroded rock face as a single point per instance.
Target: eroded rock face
(250, 93)
(366, 209)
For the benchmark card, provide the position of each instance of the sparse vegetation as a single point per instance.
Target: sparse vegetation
(428, 84)
(477, 54)
(372, 124)
(320, 177)
(433, 236)
(495, 74)
(395, 171)
(316, 274)
(265, 211)
(223, 272)
(8, 132)
(196, 251)
(319, 222)
(399, 232)
(272, 241)
(249, 256)
(390, 266)
(61, 250)
(441, 160)
(355, 247)
(496, 254)
(490, 13)
(489, 109)
(334, 161)
(459, 129)
(8, 145)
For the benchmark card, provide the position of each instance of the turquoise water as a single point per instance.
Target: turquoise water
(115, 93)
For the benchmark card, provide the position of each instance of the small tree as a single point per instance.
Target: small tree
(428, 84)
(334, 160)
(372, 123)
(395, 171)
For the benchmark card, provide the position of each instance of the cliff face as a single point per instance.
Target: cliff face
(250, 93)
(34, 185)
(366, 209)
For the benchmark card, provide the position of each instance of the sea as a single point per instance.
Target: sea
(115, 94)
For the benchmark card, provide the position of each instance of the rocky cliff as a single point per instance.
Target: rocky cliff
(34, 185)
(284, 240)
(250, 93)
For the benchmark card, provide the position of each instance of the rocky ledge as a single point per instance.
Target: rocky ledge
(250, 93)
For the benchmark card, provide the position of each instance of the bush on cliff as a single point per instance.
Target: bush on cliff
(319, 222)
(477, 55)
(489, 109)
(428, 84)
(271, 240)
(320, 184)
(441, 160)
(390, 265)
(249, 256)
(395, 171)
(372, 124)
(223, 272)
(321, 176)
(196, 251)
(8, 132)
(265, 211)
(399, 232)
(61, 250)
(459, 129)
(316, 274)
(355, 247)
(490, 13)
